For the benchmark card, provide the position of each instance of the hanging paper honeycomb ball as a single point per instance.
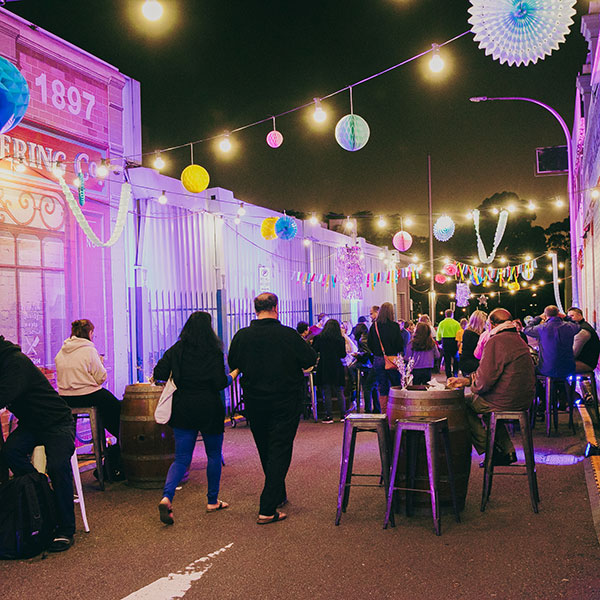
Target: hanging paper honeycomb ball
(450, 269)
(195, 178)
(267, 228)
(443, 229)
(274, 138)
(286, 228)
(352, 132)
(402, 241)
(514, 286)
(14, 96)
(440, 278)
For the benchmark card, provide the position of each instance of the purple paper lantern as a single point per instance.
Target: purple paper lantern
(14, 96)
(274, 138)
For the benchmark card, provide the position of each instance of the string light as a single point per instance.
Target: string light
(511, 208)
(159, 163)
(225, 144)
(152, 10)
(102, 170)
(408, 221)
(531, 205)
(58, 169)
(381, 223)
(436, 64)
(20, 166)
(561, 265)
(162, 199)
(319, 115)
(241, 211)
(595, 194)
(76, 182)
(348, 225)
(307, 242)
(527, 257)
(237, 220)
(314, 220)
(559, 203)
(381, 255)
(495, 210)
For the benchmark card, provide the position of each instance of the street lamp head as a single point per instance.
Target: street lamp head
(478, 98)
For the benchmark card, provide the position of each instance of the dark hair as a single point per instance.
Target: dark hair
(449, 313)
(82, 328)
(386, 313)
(321, 316)
(198, 331)
(422, 340)
(266, 302)
(332, 329)
(362, 319)
(575, 309)
(359, 330)
(302, 327)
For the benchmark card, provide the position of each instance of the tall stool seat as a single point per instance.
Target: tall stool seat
(550, 387)
(354, 424)
(433, 429)
(591, 377)
(527, 439)
(98, 438)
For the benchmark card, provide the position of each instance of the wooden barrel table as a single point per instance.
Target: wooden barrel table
(407, 403)
(147, 448)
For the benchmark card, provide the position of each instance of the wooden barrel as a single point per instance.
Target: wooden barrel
(147, 448)
(407, 403)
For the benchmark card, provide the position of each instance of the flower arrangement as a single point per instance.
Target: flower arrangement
(405, 370)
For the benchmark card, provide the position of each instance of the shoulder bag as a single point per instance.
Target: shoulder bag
(390, 361)
(162, 413)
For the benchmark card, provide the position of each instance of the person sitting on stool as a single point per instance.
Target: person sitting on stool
(586, 345)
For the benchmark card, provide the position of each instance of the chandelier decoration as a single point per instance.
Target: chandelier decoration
(350, 272)
(500, 227)
(521, 31)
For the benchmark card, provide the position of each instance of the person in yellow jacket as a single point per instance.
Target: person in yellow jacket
(446, 333)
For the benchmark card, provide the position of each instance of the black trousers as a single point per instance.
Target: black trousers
(274, 432)
(108, 406)
(450, 347)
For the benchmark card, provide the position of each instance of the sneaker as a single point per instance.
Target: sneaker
(327, 420)
(61, 543)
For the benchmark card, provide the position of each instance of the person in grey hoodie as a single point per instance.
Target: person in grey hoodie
(80, 374)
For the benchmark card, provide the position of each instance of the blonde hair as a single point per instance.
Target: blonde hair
(477, 321)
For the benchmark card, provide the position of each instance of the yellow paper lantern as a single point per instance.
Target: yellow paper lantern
(195, 178)
(267, 228)
(514, 286)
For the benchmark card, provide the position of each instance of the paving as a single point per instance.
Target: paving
(503, 553)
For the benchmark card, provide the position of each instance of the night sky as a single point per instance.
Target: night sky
(213, 66)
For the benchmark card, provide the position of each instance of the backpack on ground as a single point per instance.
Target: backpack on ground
(27, 516)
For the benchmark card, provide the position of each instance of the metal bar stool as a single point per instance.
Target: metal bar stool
(550, 388)
(79, 491)
(98, 438)
(591, 377)
(354, 424)
(432, 429)
(522, 417)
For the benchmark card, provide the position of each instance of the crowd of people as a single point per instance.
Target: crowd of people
(491, 352)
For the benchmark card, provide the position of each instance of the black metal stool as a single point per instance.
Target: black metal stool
(523, 418)
(550, 388)
(354, 424)
(432, 429)
(98, 439)
(591, 377)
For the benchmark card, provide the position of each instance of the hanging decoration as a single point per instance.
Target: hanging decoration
(14, 95)
(520, 31)
(286, 228)
(267, 228)
(83, 222)
(274, 138)
(81, 189)
(463, 293)
(439, 278)
(483, 299)
(555, 282)
(450, 269)
(350, 271)
(514, 286)
(443, 228)
(500, 227)
(479, 275)
(527, 272)
(352, 131)
(402, 241)
(195, 179)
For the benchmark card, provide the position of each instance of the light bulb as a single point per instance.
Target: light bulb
(162, 199)
(319, 115)
(102, 170)
(528, 257)
(306, 242)
(237, 220)
(511, 208)
(561, 265)
(595, 194)
(549, 268)
(152, 10)
(559, 203)
(159, 163)
(314, 220)
(415, 258)
(349, 224)
(541, 282)
(436, 64)
(531, 205)
(58, 170)
(381, 223)
(20, 166)
(470, 215)
(225, 144)
(241, 211)
(495, 210)
(76, 182)
(381, 255)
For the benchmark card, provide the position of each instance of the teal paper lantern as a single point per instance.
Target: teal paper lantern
(14, 96)
(352, 132)
(286, 228)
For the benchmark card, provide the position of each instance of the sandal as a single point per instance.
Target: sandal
(166, 511)
(221, 506)
(276, 517)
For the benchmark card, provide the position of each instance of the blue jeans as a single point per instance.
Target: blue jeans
(185, 441)
(385, 377)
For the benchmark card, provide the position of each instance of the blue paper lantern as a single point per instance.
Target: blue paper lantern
(14, 96)
(352, 132)
(286, 228)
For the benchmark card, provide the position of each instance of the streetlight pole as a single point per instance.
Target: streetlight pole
(570, 182)
(432, 284)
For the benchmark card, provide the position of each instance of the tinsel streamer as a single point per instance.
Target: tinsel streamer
(350, 272)
(500, 227)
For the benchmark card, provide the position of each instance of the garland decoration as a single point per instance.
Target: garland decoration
(500, 227)
(83, 222)
(463, 293)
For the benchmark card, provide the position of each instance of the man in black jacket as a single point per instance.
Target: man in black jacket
(44, 420)
(586, 345)
(270, 358)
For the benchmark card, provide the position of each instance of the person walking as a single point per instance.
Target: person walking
(467, 361)
(424, 351)
(330, 345)
(385, 341)
(80, 373)
(270, 358)
(446, 332)
(197, 366)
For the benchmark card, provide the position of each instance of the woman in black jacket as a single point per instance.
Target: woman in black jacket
(197, 365)
(330, 378)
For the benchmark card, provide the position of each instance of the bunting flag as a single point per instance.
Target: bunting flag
(479, 275)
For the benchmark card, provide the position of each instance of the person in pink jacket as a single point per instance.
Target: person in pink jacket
(80, 374)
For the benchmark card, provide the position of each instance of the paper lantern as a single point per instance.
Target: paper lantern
(402, 241)
(14, 96)
(450, 269)
(195, 178)
(527, 272)
(352, 132)
(267, 228)
(286, 228)
(274, 138)
(463, 293)
(439, 278)
(520, 31)
(514, 286)
(443, 229)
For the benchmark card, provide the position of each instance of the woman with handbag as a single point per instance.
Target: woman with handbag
(197, 367)
(385, 342)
